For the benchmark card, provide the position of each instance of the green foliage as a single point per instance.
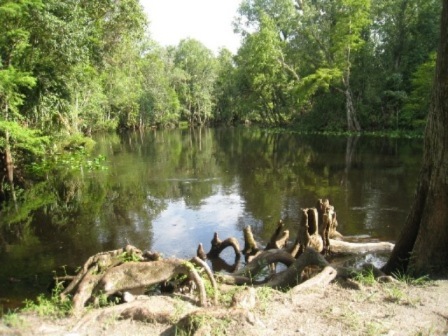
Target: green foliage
(54, 306)
(195, 80)
(12, 319)
(68, 68)
(23, 138)
(129, 257)
(225, 89)
(267, 87)
(417, 106)
(159, 102)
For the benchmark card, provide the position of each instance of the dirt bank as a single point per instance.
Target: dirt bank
(372, 309)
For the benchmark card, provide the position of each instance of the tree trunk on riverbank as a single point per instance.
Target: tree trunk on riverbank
(422, 245)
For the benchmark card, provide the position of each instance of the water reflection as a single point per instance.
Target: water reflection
(169, 190)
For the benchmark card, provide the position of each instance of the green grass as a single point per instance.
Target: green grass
(12, 319)
(53, 306)
(410, 280)
(365, 277)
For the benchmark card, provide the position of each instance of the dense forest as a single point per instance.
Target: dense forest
(73, 67)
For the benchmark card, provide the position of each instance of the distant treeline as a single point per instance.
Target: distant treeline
(81, 66)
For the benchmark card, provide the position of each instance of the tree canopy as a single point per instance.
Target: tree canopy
(77, 67)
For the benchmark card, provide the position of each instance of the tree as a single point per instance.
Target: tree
(422, 245)
(336, 29)
(13, 79)
(225, 88)
(197, 72)
(159, 103)
(263, 74)
(403, 36)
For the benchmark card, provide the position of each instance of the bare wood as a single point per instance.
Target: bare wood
(278, 239)
(134, 275)
(219, 245)
(263, 260)
(100, 262)
(293, 275)
(323, 278)
(342, 247)
(200, 253)
(250, 245)
(198, 261)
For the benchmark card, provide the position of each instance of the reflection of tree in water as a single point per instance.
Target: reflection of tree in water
(271, 168)
(280, 173)
(66, 218)
(74, 215)
(371, 164)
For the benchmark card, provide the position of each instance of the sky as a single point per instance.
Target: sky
(209, 21)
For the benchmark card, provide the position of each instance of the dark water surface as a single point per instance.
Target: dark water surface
(168, 190)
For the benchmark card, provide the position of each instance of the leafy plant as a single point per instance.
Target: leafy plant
(54, 306)
(12, 319)
(129, 257)
(365, 277)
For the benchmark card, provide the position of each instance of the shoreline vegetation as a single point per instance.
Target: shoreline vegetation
(357, 66)
(326, 298)
(63, 72)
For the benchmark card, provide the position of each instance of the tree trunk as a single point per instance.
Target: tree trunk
(352, 121)
(9, 162)
(422, 245)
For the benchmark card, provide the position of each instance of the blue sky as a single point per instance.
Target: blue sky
(209, 21)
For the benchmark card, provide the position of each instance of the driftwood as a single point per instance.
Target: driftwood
(219, 245)
(125, 270)
(250, 245)
(292, 276)
(129, 271)
(347, 248)
(279, 238)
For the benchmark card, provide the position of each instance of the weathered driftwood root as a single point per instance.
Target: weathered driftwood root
(279, 238)
(201, 263)
(99, 263)
(250, 245)
(307, 233)
(248, 274)
(111, 272)
(320, 280)
(292, 276)
(160, 309)
(347, 248)
(327, 223)
(139, 275)
(219, 245)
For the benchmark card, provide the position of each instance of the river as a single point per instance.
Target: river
(169, 190)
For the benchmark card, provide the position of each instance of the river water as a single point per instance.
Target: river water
(169, 190)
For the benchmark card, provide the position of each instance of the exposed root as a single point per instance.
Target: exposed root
(279, 238)
(293, 275)
(250, 245)
(219, 245)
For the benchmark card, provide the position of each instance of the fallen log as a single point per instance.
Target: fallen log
(126, 270)
(347, 248)
(139, 275)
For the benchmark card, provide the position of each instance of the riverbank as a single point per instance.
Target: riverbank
(369, 308)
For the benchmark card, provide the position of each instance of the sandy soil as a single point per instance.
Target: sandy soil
(376, 309)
